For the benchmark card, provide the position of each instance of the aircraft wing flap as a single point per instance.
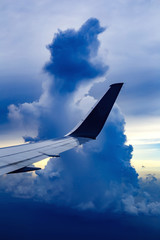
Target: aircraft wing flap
(18, 165)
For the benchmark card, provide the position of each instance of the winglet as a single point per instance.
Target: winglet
(94, 122)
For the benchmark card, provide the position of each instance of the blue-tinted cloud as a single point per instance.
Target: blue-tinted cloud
(74, 59)
(73, 56)
(98, 177)
(103, 165)
(25, 30)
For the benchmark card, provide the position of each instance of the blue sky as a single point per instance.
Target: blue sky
(57, 59)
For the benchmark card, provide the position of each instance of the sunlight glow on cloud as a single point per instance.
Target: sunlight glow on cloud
(145, 167)
(143, 130)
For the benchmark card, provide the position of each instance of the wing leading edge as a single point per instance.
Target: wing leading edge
(17, 158)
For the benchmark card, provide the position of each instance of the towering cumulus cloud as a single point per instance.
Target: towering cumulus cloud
(73, 56)
(97, 176)
(73, 61)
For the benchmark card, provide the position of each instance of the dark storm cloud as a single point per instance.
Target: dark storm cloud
(97, 177)
(72, 56)
(74, 59)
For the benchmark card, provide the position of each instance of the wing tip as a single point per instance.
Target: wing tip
(94, 122)
(117, 84)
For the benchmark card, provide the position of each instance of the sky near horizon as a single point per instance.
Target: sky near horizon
(100, 42)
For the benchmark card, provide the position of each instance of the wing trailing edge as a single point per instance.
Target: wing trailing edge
(25, 169)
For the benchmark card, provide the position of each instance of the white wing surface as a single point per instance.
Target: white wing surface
(17, 158)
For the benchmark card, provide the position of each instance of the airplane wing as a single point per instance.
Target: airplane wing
(18, 158)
